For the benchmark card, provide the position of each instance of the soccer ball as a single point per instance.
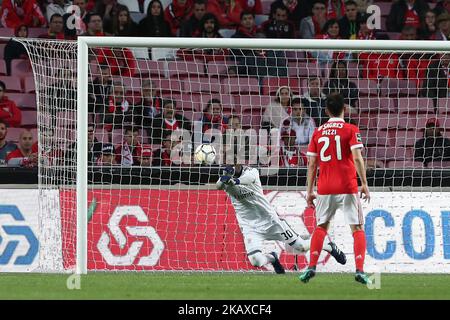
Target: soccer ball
(205, 154)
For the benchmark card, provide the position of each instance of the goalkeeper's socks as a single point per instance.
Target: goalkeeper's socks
(359, 248)
(316, 245)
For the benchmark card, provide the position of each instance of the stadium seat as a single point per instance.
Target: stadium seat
(266, 6)
(270, 85)
(393, 35)
(13, 134)
(6, 32)
(227, 33)
(404, 164)
(36, 32)
(117, 137)
(385, 121)
(389, 153)
(366, 87)
(261, 18)
(228, 101)
(376, 105)
(168, 86)
(218, 69)
(415, 105)
(152, 68)
(21, 68)
(66, 119)
(439, 165)
(407, 138)
(443, 105)
(130, 84)
(201, 85)
(184, 101)
(137, 16)
(295, 56)
(251, 121)
(132, 5)
(181, 69)
(397, 87)
(23, 100)
(385, 7)
(253, 103)
(29, 85)
(306, 70)
(2, 50)
(29, 119)
(13, 84)
(240, 85)
(3, 71)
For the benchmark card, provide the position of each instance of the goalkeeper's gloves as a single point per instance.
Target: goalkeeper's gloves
(228, 171)
(230, 180)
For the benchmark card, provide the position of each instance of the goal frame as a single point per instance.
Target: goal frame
(84, 43)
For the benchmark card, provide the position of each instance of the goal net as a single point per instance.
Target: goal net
(150, 206)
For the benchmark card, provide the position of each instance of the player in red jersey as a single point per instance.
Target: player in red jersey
(335, 149)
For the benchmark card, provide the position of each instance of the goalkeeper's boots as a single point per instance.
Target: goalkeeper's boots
(307, 275)
(360, 276)
(277, 266)
(337, 254)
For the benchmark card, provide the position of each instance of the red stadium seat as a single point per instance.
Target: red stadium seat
(385, 121)
(305, 70)
(404, 164)
(168, 86)
(218, 69)
(397, 87)
(2, 50)
(152, 68)
(366, 87)
(407, 138)
(36, 32)
(202, 85)
(29, 119)
(295, 56)
(389, 153)
(254, 103)
(21, 68)
(102, 135)
(228, 101)
(3, 71)
(23, 100)
(439, 165)
(13, 83)
(183, 101)
(6, 32)
(270, 85)
(377, 105)
(181, 69)
(444, 105)
(415, 105)
(251, 121)
(240, 85)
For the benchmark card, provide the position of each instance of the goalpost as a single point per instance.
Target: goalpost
(295, 63)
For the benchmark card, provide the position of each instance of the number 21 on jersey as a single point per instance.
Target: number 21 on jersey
(326, 145)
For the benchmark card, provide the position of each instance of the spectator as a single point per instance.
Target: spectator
(23, 156)
(168, 121)
(330, 31)
(349, 24)
(442, 6)
(106, 9)
(436, 82)
(311, 27)
(412, 65)
(58, 6)
(120, 60)
(275, 114)
(94, 148)
(9, 112)
(443, 27)
(176, 13)
(256, 62)
(106, 157)
(298, 10)
(154, 24)
(162, 157)
(335, 9)
(15, 13)
(228, 12)
(314, 101)
(213, 117)
(433, 146)
(234, 122)
(55, 28)
(100, 90)
(278, 26)
(301, 123)
(5, 146)
(253, 6)
(80, 16)
(428, 29)
(363, 5)
(70, 27)
(146, 156)
(190, 27)
(290, 154)
(127, 154)
(209, 28)
(94, 25)
(121, 23)
(14, 49)
(339, 82)
(238, 148)
(120, 111)
(150, 105)
(364, 32)
(406, 12)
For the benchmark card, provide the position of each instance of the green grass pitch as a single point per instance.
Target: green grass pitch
(191, 286)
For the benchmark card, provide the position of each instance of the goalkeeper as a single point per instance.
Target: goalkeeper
(259, 221)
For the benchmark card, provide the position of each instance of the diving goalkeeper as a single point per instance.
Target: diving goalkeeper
(259, 221)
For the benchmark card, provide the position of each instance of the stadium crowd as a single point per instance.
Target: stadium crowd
(294, 103)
